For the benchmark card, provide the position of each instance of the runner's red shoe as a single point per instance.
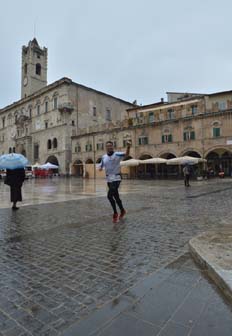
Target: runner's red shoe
(122, 214)
(115, 218)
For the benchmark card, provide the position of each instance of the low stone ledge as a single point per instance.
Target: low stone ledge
(213, 251)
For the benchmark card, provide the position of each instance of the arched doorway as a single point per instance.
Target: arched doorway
(78, 168)
(165, 171)
(219, 160)
(145, 171)
(52, 159)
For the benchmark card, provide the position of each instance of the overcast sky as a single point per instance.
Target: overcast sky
(130, 49)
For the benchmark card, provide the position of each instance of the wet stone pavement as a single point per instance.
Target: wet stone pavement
(62, 261)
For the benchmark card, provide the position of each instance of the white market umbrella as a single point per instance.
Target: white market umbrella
(48, 165)
(130, 163)
(183, 160)
(155, 160)
(36, 165)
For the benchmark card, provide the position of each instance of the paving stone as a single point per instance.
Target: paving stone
(70, 254)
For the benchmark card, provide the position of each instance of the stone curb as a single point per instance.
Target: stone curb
(216, 273)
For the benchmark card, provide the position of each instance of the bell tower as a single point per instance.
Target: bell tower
(34, 68)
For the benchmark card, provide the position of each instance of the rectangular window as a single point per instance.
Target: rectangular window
(151, 117)
(100, 146)
(194, 109)
(94, 111)
(55, 102)
(30, 113)
(73, 122)
(171, 114)
(38, 109)
(166, 138)
(46, 124)
(46, 106)
(108, 115)
(88, 147)
(192, 135)
(143, 140)
(216, 132)
(36, 151)
(3, 122)
(222, 106)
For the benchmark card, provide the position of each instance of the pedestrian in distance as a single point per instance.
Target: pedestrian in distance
(186, 172)
(14, 179)
(111, 162)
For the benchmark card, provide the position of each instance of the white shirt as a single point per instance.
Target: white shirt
(111, 163)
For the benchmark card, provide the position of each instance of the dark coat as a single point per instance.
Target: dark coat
(15, 178)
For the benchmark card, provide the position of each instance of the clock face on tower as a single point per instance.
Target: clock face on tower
(25, 81)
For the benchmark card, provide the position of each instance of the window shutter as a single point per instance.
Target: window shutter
(170, 138)
(163, 140)
(192, 135)
(185, 138)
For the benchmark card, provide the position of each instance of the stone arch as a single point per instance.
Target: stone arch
(53, 159)
(167, 155)
(145, 156)
(89, 161)
(127, 158)
(219, 159)
(146, 171)
(191, 152)
(165, 171)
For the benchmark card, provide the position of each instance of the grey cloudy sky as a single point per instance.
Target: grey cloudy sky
(128, 48)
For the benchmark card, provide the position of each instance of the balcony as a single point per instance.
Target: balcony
(66, 107)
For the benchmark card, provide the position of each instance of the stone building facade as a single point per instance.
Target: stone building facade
(40, 125)
(188, 124)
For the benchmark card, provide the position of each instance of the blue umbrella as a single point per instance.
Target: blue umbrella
(12, 161)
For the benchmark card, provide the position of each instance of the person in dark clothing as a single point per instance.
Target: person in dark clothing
(186, 172)
(15, 179)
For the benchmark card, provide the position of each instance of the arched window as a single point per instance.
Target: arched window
(167, 135)
(55, 143)
(38, 69)
(10, 150)
(49, 145)
(25, 68)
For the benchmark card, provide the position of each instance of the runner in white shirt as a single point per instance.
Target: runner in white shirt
(111, 162)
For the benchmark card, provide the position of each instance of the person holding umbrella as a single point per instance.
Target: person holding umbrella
(15, 175)
(186, 172)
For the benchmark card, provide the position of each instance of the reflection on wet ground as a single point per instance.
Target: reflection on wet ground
(62, 259)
